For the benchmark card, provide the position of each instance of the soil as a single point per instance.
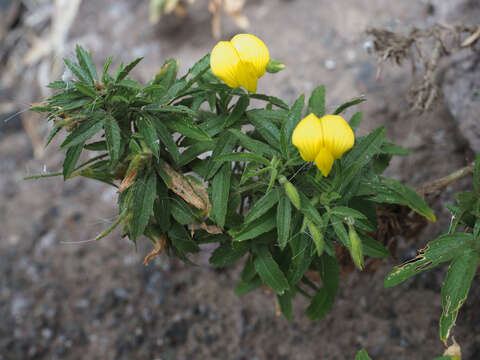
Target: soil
(64, 297)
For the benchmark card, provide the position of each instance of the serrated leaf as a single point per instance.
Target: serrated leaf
(340, 231)
(256, 228)
(302, 256)
(355, 120)
(238, 111)
(285, 302)
(242, 157)
(316, 103)
(373, 248)
(167, 74)
(346, 212)
(82, 133)
(193, 151)
(362, 355)
(440, 250)
(181, 240)
(105, 76)
(226, 254)
(309, 210)
(126, 70)
(86, 62)
(263, 205)
(346, 105)
(252, 145)
(71, 158)
(181, 212)
(456, 287)
(269, 271)
(149, 134)
(266, 129)
(322, 302)
(144, 193)
(365, 148)
(85, 89)
(177, 109)
(220, 193)
(78, 71)
(284, 220)
(96, 146)
(161, 207)
(113, 138)
(294, 117)
(165, 137)
(187, 127)
(224, 145)
(271, 99)
(243, 287)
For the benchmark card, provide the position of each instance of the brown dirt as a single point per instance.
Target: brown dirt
(95, 300)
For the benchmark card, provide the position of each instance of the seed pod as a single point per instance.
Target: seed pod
(317, 237)
(292, 194)
(356, 251)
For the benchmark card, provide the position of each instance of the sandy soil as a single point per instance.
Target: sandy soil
(63, 298)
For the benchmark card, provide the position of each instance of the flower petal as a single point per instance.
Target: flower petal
(307, 137)
(225, 62)
(324, 161)
(338, 136)
(252, 50)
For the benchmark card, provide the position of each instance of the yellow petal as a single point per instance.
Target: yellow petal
(252, 50)
(225, 63)
(246, 76)
(338, 136)
(307, 137)
(324, 161)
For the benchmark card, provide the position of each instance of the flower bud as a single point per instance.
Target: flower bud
(275, 66)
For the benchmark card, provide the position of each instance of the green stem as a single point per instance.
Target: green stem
(110, 229)
(42, 176)
(303, 292)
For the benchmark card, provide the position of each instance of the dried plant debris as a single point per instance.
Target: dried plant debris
(424, 48)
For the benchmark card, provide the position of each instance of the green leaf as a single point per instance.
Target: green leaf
(226, 254)
(269, 271)
(85, 89)
(253, 145)
(187, 127)
(316, 103)
(456, 287)
(284, 220)
(82, 133)
(397, 193)
(181, 212)
(220, 193)
(126, 70)
(322, 302)
(373, 248)
(346, 212)
(244, 287)
(242, 157)
(271, 99)
(165, 136)
(267, 129)
(177, 109)
(355, 120)
(105, 76)
(71, 158)
(193, 151)
(144, 193)
(86, 62)
(224, 145)
(365, 148)
(340, 231)
(346, 105)
(362, 355)
(81, 74)
(256, 228)
(263, 205)
(113, 138)
(294, 117)
(309, 210)
(238, 111)
(285, 302)
(302, 256)
(53, 133)
(440, 250)
(149, 134)
(181, 240)
(167, 74)
(162, 208)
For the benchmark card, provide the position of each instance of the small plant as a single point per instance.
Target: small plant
(194, 162)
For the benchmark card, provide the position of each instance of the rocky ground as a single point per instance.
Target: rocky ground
(64, 297)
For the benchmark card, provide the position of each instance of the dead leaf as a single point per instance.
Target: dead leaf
(454, 351)
(211, 229)
(127, 181)
(472, 38)
(193, 193)
(159, 246)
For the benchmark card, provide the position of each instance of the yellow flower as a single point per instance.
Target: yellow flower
(240, 61)
(323, 140)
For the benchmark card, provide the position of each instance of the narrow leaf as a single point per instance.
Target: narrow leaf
(144, 193)
(269, 271)
(316, 103)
